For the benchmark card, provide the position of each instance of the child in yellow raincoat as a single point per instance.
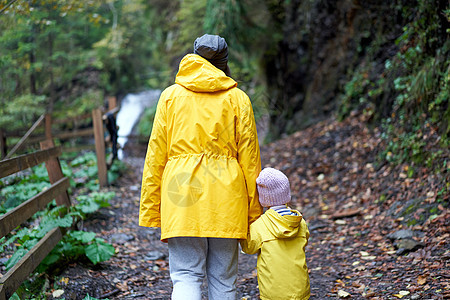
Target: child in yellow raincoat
(279, 237)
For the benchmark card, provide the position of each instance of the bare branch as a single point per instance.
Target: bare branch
(7, 5)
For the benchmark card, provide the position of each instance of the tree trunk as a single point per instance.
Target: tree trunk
(52, 82)
(32, 57)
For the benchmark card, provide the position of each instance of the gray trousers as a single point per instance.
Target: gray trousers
(191, 258)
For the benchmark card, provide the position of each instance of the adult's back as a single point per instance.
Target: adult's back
(204, 152)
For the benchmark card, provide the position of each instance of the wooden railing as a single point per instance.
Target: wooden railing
(49, 154)
(96, 129)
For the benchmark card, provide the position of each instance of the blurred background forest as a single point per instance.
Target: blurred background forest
(377, 68)
(299, 60)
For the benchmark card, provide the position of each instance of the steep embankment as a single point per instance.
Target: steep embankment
(358, 212)
(330, 56)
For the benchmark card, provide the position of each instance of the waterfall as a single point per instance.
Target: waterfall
(131, 109)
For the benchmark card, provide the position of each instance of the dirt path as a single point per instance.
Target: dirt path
(351, 205)
(139, 270)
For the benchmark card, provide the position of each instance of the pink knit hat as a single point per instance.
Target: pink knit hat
(273, 188)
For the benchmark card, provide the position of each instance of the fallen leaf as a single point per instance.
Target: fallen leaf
(343, 294)
(122, 286)
(421, 280)
(64, 280)
(401, 294)
(404, 293)
(57, 293)
(368, 257)
(340, 282)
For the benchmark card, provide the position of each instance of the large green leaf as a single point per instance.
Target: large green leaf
(15, 258)
(99, 251)
(88, 207)
(50, 259)
(82, 236)
(49, 224)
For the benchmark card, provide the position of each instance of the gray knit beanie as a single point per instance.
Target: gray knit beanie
(215, 49)
(273, 188)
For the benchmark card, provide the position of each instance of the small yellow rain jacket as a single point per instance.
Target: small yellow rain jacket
(203, 157)
(280, 242)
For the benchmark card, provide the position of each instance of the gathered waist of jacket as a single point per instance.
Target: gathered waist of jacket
(200, 155)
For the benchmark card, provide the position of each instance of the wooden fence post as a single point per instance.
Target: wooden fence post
(3, 146)
(48, 127)
(112, 102)
(97, 119)
(55, 173)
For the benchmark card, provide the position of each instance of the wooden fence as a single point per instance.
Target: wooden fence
(96, 129)
(49, 154)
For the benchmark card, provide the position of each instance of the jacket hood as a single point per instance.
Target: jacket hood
(283, 226)
(199, 75)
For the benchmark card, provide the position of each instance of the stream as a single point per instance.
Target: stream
(131, 109)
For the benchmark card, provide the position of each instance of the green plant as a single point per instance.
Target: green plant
(75, 244)
(85, 172)
(87, 158)
(18, 188)
(145, 125)
(117, 168)
(26, 238)
(420, 74)
(12, 196)
(87, 204)
(355, 92)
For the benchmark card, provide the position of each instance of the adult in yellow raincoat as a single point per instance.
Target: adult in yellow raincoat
(199, 179)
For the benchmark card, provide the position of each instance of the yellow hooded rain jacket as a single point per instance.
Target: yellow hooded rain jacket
(280, 242)
(203, 157)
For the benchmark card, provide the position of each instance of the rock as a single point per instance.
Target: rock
(401, 234)
(310, 212)
(155, 255)
(121, 238)
(317, 225)
(407, 245)
(404, 242)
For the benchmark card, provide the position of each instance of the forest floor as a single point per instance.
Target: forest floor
(357, 210)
